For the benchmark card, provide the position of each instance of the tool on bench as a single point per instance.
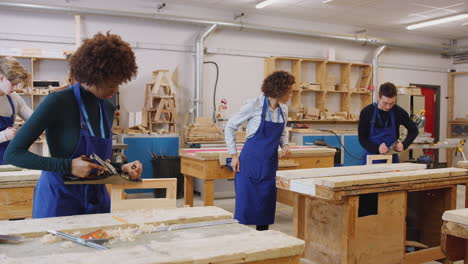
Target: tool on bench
(78, 240)
(193, 225)
(11, 239)
(110, 171)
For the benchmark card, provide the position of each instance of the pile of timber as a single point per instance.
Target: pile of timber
(12, 176)
(203, 130)
(463, 164)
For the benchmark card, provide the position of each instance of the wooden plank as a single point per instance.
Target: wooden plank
(349, 170)
(323, 229)
(453, 242)
(266, 247)
(459, 216)
(337, 194)
(22, 175)
(423, 256)
(462, 164)
(16, 202)
(299, 216)
(9, 168)
(285, 196)
(380, 238)
(39, 227)
(390, 177)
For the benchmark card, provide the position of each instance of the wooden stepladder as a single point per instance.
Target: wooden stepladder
(160, 101)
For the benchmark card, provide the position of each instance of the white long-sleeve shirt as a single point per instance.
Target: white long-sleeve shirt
(21, 109)
(251, 112)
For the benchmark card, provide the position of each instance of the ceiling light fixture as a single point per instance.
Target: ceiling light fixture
(264, 3)
(438, 21)
(326, 1)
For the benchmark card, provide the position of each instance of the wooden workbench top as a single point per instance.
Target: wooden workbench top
(459, 216)
(333, 186)
(19, 178)
(224, 243)
(39, 227)
(214, 153)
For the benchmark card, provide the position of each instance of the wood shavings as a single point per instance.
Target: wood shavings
(68, 244)
(119, 234)
(50, 239)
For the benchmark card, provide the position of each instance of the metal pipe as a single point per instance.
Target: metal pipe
(375, 69)
(199, 52)
(238, 26)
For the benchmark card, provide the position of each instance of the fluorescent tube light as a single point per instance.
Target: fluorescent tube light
(326, 1)
(437, 21)
(264, 3)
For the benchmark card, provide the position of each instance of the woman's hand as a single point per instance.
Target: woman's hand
(235, 163)
(286, 151)
(133, 169)
(82, 166)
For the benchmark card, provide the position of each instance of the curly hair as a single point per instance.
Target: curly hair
(103, 58)
(277, 84)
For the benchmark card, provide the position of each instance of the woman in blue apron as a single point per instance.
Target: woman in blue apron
(78, 123)
(255, 179)
(12, 75)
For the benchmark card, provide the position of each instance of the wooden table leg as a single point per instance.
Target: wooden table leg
(188, 190)
(299, 216)
(208, 192)
(466, 196)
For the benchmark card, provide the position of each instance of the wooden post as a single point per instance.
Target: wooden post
(208, 192)
(188, 190)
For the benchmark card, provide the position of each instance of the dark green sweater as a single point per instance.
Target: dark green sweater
(59, 116)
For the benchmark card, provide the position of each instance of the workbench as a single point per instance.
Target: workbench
(370, 214)
(224, 241)
(455, 235)
(210, 165)
(17, 191)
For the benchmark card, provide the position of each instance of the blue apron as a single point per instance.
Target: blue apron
(6, 122)
(386, 135)
(255, 183)
(53, 198)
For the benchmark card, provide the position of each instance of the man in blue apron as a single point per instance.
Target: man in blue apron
(379, 125)
(78, 123)
(12, 76)
(255, 180)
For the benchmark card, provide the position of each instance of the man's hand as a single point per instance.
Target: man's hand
(10, 132)
(133, 169)
(82, 166)
(383, 148)
(235, 163)
(399, 147)
(286, 151)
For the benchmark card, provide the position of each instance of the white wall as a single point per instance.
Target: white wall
(239, 54)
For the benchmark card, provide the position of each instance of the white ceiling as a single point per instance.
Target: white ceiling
(387, 15)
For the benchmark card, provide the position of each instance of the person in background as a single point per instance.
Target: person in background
(256, 167)
(12, 76)
(379, 125)
(77, 121)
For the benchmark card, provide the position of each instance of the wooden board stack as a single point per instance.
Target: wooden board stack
(203, 130)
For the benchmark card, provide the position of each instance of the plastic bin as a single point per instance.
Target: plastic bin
(168, 167)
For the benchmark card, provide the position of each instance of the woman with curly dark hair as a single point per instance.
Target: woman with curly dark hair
(255, 168)
(78, 123)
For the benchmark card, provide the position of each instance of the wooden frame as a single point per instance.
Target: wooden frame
(119, 201)
(372, 158)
